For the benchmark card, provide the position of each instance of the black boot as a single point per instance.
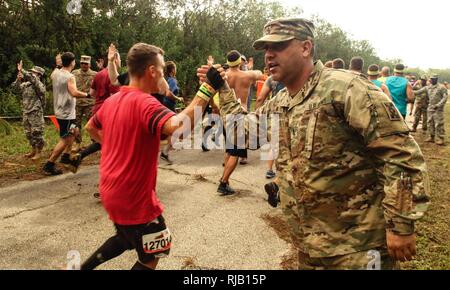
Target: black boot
(51, 169)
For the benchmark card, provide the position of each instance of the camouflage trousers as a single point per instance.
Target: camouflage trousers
(33, 124)
(376, 259)
(436, 123)
(420, 112)
(83, 111)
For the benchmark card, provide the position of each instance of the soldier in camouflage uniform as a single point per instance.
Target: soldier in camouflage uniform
(32, 90)
(421, 105)
(352, 180)
(83, 78)
(437, 97)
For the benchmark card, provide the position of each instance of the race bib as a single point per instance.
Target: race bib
(157, 242)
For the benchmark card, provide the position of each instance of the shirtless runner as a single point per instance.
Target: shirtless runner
(240, 81)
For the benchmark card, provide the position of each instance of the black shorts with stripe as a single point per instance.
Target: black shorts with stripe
(64, 127)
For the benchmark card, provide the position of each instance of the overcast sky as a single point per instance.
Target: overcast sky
(417, 33)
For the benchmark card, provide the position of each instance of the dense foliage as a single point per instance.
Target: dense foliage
(188, 30)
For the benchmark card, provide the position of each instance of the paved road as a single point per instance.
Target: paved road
(42, 220)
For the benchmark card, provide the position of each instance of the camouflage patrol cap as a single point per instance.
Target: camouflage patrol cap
(38, 69)
(423, 77)
(435, 76)
(284, 29)
(85, 59)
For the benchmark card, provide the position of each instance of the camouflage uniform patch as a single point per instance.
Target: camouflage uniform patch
(392, 111)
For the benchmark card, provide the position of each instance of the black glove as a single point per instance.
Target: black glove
(214, 79)
(273, 193)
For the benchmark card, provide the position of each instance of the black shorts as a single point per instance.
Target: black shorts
(237, 152)
(139, 237)
(64, 127)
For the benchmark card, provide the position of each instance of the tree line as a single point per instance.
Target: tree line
(188, 31)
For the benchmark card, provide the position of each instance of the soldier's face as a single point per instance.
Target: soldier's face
(84, 66)
(285, 60)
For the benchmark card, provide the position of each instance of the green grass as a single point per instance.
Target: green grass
(433, 231)
(16, 144)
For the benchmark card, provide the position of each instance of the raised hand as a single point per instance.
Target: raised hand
(112, 52)
(20, 66)
(58, 60)
(250, 64)
(210, 60)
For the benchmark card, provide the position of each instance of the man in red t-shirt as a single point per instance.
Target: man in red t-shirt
(102, 87)
(130, 125)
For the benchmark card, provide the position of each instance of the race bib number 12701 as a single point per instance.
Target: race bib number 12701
(157, 242)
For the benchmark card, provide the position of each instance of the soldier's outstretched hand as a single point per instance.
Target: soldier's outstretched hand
(401, 248)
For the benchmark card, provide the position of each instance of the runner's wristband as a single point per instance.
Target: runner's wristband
(206, 92)
(214, 78)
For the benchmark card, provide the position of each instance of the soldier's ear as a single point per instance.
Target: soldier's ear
(307, 47)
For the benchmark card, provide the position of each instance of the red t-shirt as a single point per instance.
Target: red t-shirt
(103, 88)
(131, 122)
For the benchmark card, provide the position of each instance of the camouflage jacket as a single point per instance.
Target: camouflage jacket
(437, 96)
(421, 100)
(348, 168)
(32, 91)
(84, 82)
